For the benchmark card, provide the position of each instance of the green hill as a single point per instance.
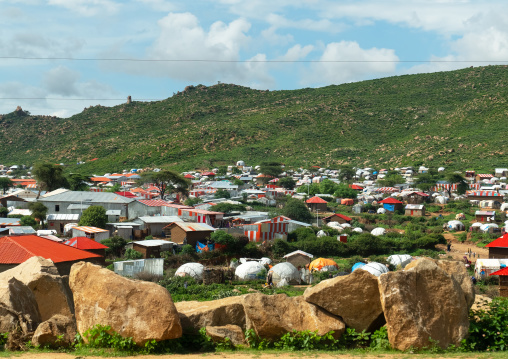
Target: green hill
(455, 119)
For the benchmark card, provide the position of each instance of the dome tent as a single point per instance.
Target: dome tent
(250, 271)
(194, 270)
(488, 226)
(378, 231)
(455, 226)
(285, 272)
(381, 211)
(319, 263)
(357, 265)
(399, 259)
(375, 268)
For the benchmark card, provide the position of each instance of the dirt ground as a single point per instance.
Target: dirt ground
(459, 250)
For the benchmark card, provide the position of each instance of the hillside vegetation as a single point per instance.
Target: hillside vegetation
(455, 119)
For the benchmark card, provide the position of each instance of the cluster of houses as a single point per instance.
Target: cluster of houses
(136, 212)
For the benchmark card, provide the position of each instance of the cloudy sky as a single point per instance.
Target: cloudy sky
(60, 56)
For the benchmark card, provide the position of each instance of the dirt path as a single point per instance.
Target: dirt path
(459, 250)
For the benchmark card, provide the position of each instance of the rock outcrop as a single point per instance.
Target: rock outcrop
(58, 331)
(233, 332)
(196, 315)
(18, 308)
(354, 298)
(42, 277)
(272, 316)
(137, 309)
(459, 273)
(423, 305)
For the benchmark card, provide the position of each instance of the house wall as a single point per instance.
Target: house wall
(58, 225)
(503, 286)
(498, 253)
(178, 235)
(147, 252)
(194, 237)
(317, 206)
(415, 212)
(337, 219)
(299, 260)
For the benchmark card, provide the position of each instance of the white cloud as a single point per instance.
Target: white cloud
(323, 25)
(88, 7)
(62, 81)
(346, 61)
(297, 52)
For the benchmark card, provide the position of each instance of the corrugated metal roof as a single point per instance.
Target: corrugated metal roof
(154, 202)
(161, 219)
(153, 242)
(194, 227)
(62, 217)
(21, 230)
(414, 206)
(9, 221)
(87, 229)
(114, 212)
(17, 249)
(88, 197)
(84, 243)
(78, 206)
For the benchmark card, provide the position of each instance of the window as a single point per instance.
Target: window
(57, 208)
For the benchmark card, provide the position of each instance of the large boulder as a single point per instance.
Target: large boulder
(233, 332)
(196, 315)
(459, 273)
(272, 316)
(354, 298)
(423, 305)
(137, 309)
(18, 308)
(43, 279)
(58, 331)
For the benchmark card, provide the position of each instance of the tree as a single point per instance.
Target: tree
(94, 216)
(3, 212)
(192, 201)
(327, 186)
(297, 210)
(459, 180)
(270, 170)
(49, 177)
(228, 207)
(115, 246)
(166, 181)
(311, 189)
(27, 221)
(425, 181)
(132, 254)
(346, 173)
(222, 193)
(392, 178)
(233, 245)
(5, 184)
(287, 183)
(115, 188)
(343, 191)
(39, 211)
(78, 182)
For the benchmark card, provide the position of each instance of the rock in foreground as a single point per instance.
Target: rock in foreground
(58, 331)
(423, 305)
(137, 309)
(354, 298)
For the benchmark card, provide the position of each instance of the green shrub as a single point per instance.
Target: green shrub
(132, 254)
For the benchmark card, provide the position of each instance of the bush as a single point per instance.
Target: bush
(188, 249)
(132, 254)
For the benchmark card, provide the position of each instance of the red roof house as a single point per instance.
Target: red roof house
(391, 204)
(14, 250)
(337, 217)
(316, 204)
(498, 248)
(87, 244)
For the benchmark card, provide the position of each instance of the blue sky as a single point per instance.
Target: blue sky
(275, 45)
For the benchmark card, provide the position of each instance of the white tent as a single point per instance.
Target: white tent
(321, 233)
(381, 210)
(358, 230)
(250, 271)
(399, 259)
(285, 272)
(488, 266)
(477, 224)
(455, 225)
(375, 268)
(194, 270)
(378, 231)
(265, 260)
(346, 225)
(485, 227)
(504, 207)
(441, 199)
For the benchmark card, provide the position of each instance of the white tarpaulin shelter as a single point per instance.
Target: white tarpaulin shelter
(194, 270)
(399, 259)
(378, 231)
(441, 199)
(375, 268)
(485, 227)
(250, 271)
(285, 272)
(488, 266)
(455, 225)
(381, 211)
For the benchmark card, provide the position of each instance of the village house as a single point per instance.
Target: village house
(485, 196)
(415, 210)
(316, 204)
(498, 248)
(58, 221)
(154, 225)
(391, 204)
(417, 197)
(485, 216)
(299, 259)
(89, 245)
(151, 248)
(337, 217)
(97, 234)
(188, 233)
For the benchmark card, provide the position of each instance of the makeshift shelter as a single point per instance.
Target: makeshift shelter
(503, 281)
(489, 227)
(381, 211)
(250, 271)
(285, 273)
(378, 231)
(391, 204)
(337, 218)
(319, 263)
(194, 270)
(316, 204)
(441, 200)
(455, 225)
(299, 258)
(375, 268)
(357, 265)
(485, 266)
(347, 201)
(498, 248)
(399, 259)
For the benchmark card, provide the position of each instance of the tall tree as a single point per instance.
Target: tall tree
(5, 184)
(459, 180)
(49, 177)
(425, 181)
(297, 210)
(78, 182)
(270, 170)
(167, 181)
(346, 173)
(287, 182)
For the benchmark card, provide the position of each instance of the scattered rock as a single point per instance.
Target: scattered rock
(423, 302)
(58, 331)
(354, 298)
(42, 277)
(137, 309)
(196, 315)
(272, 316)
(481, 302)
(233, 332)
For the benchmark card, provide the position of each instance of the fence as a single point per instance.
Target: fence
(130, 268)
